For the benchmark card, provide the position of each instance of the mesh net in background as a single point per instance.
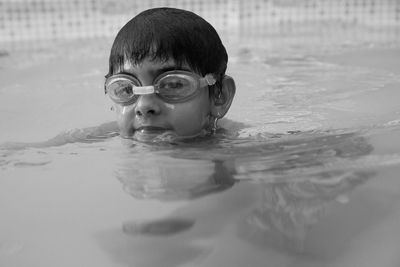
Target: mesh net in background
(36, 20)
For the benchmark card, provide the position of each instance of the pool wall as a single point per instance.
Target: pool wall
(37, 20)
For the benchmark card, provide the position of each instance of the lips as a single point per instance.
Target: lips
(150, 130)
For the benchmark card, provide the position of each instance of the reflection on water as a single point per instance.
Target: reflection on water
(296, 177)
(287, 210)
(189, 169)
(167, 178)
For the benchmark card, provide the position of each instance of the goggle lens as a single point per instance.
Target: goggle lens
(122, 90)
(171, 87)
(176, 87)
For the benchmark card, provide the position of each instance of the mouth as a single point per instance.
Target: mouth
(150, 130)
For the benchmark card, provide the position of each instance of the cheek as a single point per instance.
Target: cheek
(123, 114)
(192, 117)
(170, 107)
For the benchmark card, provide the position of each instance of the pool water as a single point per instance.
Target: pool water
(306, 173)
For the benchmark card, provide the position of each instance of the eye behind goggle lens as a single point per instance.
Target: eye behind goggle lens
(121, 91)
(176, 87)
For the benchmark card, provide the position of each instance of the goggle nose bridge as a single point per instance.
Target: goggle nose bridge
(144, 90)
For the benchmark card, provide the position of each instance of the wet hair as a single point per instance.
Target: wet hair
(164, 33)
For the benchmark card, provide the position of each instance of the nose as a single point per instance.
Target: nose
(146, 106)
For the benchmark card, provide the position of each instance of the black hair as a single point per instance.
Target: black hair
(164, 33)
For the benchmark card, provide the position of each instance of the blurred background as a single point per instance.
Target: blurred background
(34, 23)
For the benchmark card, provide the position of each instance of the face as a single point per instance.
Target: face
(150, 116)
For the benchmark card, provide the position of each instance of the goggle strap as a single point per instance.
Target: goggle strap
(144, 90)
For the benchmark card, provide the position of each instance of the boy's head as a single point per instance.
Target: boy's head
(162, 40)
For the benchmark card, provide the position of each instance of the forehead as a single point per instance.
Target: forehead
(153, 66)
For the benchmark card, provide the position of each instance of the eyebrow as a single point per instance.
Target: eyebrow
(157, 72)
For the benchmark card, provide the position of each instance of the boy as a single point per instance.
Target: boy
(167, 76)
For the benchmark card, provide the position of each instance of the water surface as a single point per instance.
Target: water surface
(306, 173)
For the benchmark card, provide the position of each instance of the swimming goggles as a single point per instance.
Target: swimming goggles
(172, 86)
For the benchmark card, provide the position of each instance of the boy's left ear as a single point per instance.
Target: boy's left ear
(221, 100)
